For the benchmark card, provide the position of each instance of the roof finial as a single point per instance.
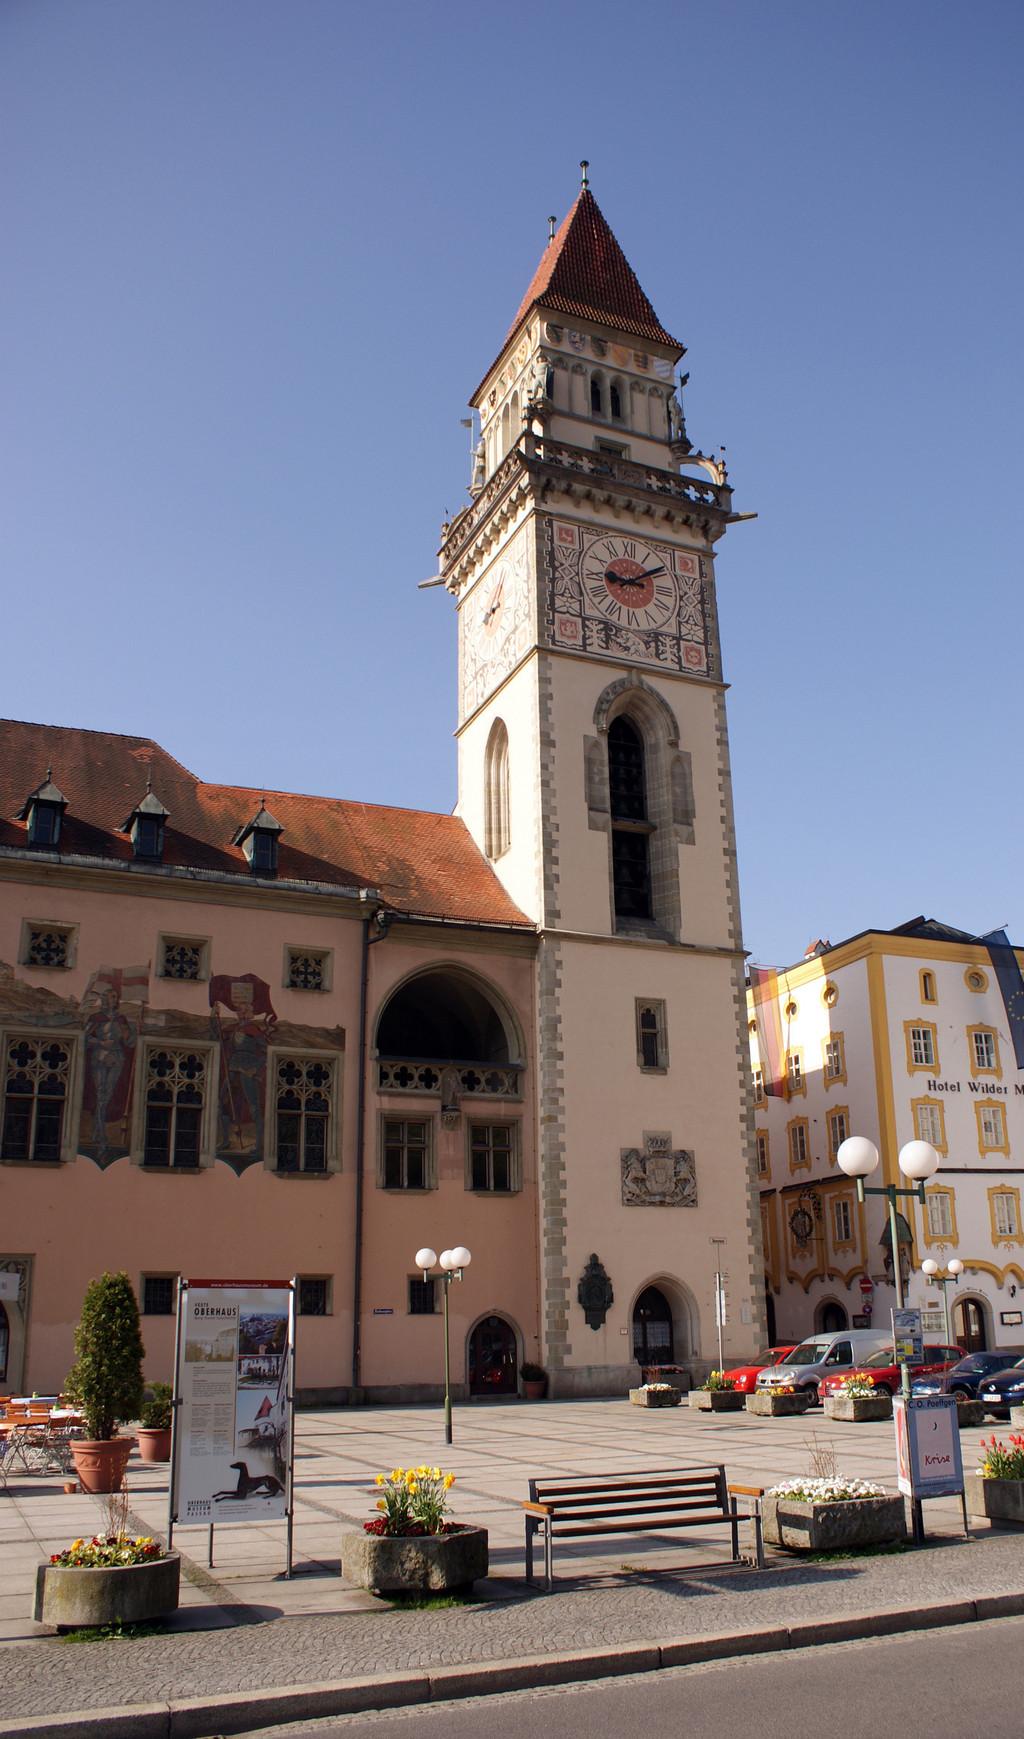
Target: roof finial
(551, 229)
(584, 179)
(49, 774)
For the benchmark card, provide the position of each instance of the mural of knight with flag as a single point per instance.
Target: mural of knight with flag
(113, 1006)
(244, 1022)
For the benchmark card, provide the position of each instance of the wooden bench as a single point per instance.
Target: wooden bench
(634, 1503)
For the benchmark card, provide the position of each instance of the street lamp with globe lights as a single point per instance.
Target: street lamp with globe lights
(954, 1269)
(918, 1160)
(452, 1264)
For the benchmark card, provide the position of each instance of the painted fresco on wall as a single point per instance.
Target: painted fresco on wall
(245, 1022)
(109, 1029)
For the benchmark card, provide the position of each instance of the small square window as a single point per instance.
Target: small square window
(159, 1294)
(314, 1297)
(308, 969)
(422, 1297)
(48, 945)
(185, 958)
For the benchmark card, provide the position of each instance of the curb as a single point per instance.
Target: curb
(201, 1717)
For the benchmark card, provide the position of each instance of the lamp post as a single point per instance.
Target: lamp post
(918, 1160)
(954, 1269)
(452, 1264)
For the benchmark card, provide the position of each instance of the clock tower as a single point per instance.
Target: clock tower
(594, 773)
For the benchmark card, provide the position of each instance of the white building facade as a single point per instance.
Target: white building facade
(895, 1035)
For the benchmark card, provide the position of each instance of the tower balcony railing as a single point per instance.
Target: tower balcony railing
(476, 1080)
(534, 451)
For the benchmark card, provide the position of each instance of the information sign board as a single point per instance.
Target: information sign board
(928, 1459)
(907, 1336)
(233, 1402)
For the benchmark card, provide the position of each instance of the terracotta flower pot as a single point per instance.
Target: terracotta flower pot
(154, 1442)
(100, 1463)
(535, 1389)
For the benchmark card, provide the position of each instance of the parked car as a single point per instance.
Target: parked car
(743, 1377)
(1003, 1390)
(880, 1370)
(824, 1355)
(962, 1380)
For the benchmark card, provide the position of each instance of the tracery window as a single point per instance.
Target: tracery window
(36, 1080)
(48, 945)
(631, 830)
(304, 1093)
(175, 1098)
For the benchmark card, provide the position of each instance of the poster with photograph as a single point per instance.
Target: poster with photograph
(233, 1436)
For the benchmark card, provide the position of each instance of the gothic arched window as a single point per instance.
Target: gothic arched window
(596, 396)
(615, 401)
(631, 828)
(497, 833)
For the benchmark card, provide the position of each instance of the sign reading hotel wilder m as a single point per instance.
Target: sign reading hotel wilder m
(983, 1089)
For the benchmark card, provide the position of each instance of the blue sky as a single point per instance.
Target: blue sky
(258, 255)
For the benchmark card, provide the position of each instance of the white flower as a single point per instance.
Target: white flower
(825, 1491)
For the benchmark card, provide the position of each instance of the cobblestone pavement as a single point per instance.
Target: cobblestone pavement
(226, 1638)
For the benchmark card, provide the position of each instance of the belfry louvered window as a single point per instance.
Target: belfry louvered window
(631, 830)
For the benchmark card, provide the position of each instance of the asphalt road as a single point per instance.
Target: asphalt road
(968, 1680)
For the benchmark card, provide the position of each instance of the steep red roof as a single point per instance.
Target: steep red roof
(584, 272)
(419, 861)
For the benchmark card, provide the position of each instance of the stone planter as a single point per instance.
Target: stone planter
(973, 1413)
(100, 1462)
(154, 1442)
(770, 1406)
(858, 1408)
(1000, 1500)
(425, 1564)
(717, 1400)
(131, 1594)
(1016, 1416)
(832, 1527)
(655, 1397)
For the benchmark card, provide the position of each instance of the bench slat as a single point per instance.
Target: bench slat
(633, 1506)
(570, 1530)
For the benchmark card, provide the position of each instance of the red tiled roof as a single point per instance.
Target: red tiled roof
(584, 272)
(419, 861)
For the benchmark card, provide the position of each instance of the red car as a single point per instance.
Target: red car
(743, 1377)
(879, 1370)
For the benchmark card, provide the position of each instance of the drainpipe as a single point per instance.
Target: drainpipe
(379, 921)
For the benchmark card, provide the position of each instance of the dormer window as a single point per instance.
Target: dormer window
(258, 839)
(147, 825)
(44, 812)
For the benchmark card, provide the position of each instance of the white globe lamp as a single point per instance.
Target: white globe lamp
(857, 1156)
(918, 1160)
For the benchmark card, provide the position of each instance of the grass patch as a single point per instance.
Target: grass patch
(427, 1602)
(892, 1549)
(115, 1632)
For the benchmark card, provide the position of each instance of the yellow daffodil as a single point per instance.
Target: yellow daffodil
(449, 1481)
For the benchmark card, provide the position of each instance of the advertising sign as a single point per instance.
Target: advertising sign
(233, 1427)
(907, 1337)
(928, 1460)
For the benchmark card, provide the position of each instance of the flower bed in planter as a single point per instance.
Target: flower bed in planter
(858, 1408)
(716, 1400)
(1000, 1500)
(770, 1404)
(655, 1395)
(804, 1516)
(76, 1595)
(415, 1564)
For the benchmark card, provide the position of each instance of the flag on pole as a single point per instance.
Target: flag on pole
(1006, 967)
(764, 982)
(128, 983)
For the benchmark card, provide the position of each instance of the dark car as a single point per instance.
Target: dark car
(962, 1379)
(1003, 1391)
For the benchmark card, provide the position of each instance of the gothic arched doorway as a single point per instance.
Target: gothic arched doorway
(769, 1315)
(492, 1358)
(970, 1330)
(653, 1340)
(832, 1317)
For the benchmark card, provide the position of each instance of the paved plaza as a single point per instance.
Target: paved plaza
(616, 1594)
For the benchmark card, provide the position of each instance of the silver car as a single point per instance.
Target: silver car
(823, 1355)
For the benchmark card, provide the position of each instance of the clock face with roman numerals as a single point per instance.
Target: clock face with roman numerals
(627, 581)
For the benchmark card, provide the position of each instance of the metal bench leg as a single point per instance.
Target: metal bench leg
(734, 1528)
(758, 1535)
(529, 1548)
(548, 1573)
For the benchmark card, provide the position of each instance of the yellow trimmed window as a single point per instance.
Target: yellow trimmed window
(838, 1130)
(799, 1144)
(842, 1221)
(927, 982)
(795, 1080)
(763, 1157)
(834, 1059)
(983, 1046)
(758, 1086)
(991, 1127)
(930, 1123)
(922, 1045)
(1004, 1212)
(940, 1217)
